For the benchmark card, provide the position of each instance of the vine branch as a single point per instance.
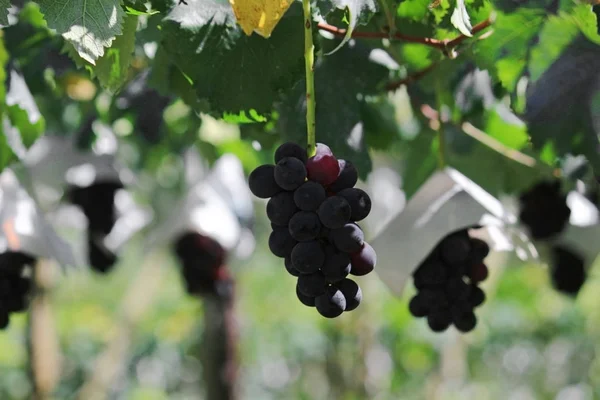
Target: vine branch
(442, 44)
(391, 86)
(309, 60)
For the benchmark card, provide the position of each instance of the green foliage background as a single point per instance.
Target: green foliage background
(531, 342)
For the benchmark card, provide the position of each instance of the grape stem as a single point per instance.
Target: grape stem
(443, 45)
(309, 60)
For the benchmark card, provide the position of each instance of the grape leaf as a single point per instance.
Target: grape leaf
(90, 25)
(259, 16)
(554, 111)
(339, 80)
(460, 18)
(9, 141)
(420, 161)
(111, 69)
(416, 10)
(380, 127)
(356, 10)
(4, 5)
(22, 112)
(505, 53)
(231, 71)
(3, 61)
(558, 32)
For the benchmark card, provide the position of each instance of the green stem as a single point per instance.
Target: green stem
(309, 60)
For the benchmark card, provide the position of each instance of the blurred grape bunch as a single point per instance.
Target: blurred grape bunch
(25, 237)
(213, 221)
(448, 202)
(216, 203)
(564, 230)
(84, 192)
(147, 104)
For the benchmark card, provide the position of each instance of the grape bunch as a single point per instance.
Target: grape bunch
(14, 285)
(98, 204)
(567, 270)
(203, 264)
(313, 208)
(544, 210)
(447, 283)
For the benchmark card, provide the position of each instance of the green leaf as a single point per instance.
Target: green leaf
(416, 10)
(7, 155)
(420, 161)
(505, 127)
(558, 32)
(133, 11)
(493, 171)
(340, 79)
(231, 71)
(380, 127)
(4, 5)
(505, 52)
(559, 104)
(90, 25)
(460, 18)
(111, 69)
(4, 56)
(22, 112)
(357, 10)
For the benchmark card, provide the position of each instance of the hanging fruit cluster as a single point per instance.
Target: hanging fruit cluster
(313, 208)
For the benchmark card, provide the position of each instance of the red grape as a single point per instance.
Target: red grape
(323, 167)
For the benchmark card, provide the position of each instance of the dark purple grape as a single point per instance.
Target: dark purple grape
(289, 266)
(418, 306)
(309, 196)
(347, 178)
(567, 270)
(262, 182)
(290, 149)
(331, 304)
(439, 319)
(465, 322)
(364, 261)
(456, 288)
(305, 226)
(100, 258)
(281, 208)
(290, 173)
(478, 272)
(312, 285)
(432, 272)
(360, 202)
(348, 238)
(308, 301)
(4, 319)
(308, 257)
(435, 298)
(323, 167)
(351, 292)
(476, 297)
(336, 266)
(281, 242)
(334, 212)
(455, 249)
(479, 250)
(544, 209)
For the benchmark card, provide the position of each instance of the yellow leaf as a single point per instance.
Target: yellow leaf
(260, 16)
